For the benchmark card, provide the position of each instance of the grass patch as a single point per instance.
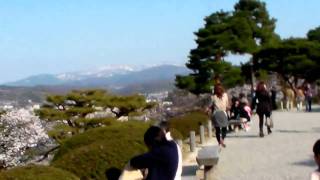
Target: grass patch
(188, 122)
(90, 154)
(36, 173)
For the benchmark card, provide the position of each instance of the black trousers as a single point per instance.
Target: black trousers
(308, 104)
(221, 133)
(261, 119)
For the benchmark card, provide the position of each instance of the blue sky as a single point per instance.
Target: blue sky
(55, 36)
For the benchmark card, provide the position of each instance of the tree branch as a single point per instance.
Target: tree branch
(46, 154)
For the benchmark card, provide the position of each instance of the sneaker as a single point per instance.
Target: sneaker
(269, 131)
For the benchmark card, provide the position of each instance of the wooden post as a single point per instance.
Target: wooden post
(210, 129)
(201, 134)
(192, 141)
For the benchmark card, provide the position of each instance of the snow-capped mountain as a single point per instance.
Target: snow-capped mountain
(100, 72)
(115, 77)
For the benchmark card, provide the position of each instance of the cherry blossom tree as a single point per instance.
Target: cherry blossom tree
(19, 130)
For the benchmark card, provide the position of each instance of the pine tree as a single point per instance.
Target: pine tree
(74, 107)
(244, 30)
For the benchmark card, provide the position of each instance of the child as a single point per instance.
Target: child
(245, 115)
(316, 150)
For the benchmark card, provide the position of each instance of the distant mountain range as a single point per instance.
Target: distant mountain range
(118, 79)
(65, 78)
(115, 77)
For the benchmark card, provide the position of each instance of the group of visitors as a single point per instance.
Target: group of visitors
(164, 159)
(299, 94)
(240, 110)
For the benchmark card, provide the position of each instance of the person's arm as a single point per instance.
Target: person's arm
(254, 101)
(147, 160)
(270, 101)
(210, 107)
(228, 106)
(142, 161)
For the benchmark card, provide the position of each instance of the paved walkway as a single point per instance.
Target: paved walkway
(286, 154)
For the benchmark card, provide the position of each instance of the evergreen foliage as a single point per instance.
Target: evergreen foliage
(292, 59)
(188, 122)
(33, 172)
(90, 154)
(314, 34)
(71, 110)
(242, 31)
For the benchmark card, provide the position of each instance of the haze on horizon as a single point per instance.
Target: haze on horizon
(60, 36)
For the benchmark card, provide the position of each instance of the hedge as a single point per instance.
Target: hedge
(188, 122)
(33, 172)
(90, 154)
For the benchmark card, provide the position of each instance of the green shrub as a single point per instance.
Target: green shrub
(175, 134)
(90, 154)
(36, 173)
(188, 122)
(94, 122)
(63, 131)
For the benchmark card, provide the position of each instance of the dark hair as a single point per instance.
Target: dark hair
(260, 86)
(154, 136)
(316, 148)
(218, 90)
(113, 173)
(165, 125)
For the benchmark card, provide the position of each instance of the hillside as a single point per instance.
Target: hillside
(35, 88)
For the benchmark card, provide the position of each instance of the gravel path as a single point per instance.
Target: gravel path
(286, 154)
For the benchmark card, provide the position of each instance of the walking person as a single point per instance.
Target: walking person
(264, 106)
(274, 97)
(299, 98)
(308, 97)
(218, 106)
(289, 94)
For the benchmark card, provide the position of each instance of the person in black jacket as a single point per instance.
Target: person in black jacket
(264, 106)
(162, 158)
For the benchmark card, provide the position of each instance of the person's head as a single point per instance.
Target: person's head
(308, 86)
(218, 90)
(154, 136)
(236, 103)
(164, 125)
(316, 151)
(261, 86)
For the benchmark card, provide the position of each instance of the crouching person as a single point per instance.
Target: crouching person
(161, 161)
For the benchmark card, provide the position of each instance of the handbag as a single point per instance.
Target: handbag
(269, 122)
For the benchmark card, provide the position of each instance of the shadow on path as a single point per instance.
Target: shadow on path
(291, 131)
(316, 129)
(190, 170)
(314, 109)
(308, 162)
(236, 136)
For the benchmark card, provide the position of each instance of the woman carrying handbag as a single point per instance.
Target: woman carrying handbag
(218, 106)
(264, 107)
